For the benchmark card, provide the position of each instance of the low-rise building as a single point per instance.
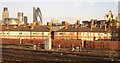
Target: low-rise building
(25, 32)
(81, 33)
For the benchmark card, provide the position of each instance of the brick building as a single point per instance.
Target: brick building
(81, 33)
(24, 32)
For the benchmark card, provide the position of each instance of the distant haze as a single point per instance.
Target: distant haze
(70, 11)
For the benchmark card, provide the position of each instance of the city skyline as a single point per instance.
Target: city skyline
(60, 31)
(70, 11)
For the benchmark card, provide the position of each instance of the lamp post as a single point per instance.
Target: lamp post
(19, 32)
(8, 31)
(62, 35)
(30, 28)
(77, 35)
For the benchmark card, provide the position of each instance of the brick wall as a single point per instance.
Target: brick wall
(111, 45)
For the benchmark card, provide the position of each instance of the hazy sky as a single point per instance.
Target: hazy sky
(71, 10)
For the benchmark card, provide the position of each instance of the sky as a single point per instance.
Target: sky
(69, 10)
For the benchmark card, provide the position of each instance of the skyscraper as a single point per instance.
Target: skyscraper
(37, 15)
(5, 13)
(20, 16)
(25, 19)
(118, 16)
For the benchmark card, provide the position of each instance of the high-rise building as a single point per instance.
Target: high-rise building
(119, 16)
(25, 19)
(20, 16)
(5, 13)
(37, 15)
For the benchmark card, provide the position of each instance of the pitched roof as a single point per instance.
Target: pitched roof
(83, 29)
(12, 28)
(3, 28)
(69, 29)
(23, 28)
(36, 28)
(44, 28)
(97, 30)
(115, 30)
(40, 28)
(80, 29)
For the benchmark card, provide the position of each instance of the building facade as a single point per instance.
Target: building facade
(82, 33)
(5, 13)
(37, 16)
(20, 16)
(25, 32)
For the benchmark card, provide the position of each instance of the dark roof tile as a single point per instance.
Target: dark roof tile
(97, 30)
(84, 29)
(43, 28)
(69, 29)
(36, 28)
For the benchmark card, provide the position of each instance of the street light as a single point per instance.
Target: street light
(31, 28)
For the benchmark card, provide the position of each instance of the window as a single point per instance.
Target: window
(82, 34)
(67, 38)
(67, 33)
(96, 34)
(75, 33)
(91, 34)
(34, 33)
(85, 34)
(116, 34)
(12, 33)
(101, 34)
(46, 33)
(60, 33)
(20, 33)
(40, 33)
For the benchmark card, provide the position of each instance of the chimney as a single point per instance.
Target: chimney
(49, 24)
(64, 23)
(105, 27)
(92, 21)
(92, 24)
(100, 26)
(91, 27)
(78, 22)
(75, 26)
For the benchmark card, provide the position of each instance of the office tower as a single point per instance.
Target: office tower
(37, 15)
(118, 16)
(5, 13)
(25, 19)
(20, 16)
(119, 10)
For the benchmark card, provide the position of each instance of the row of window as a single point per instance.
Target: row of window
(25, 33)
(83, 34)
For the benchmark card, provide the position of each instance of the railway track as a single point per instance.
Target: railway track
(11, 54)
